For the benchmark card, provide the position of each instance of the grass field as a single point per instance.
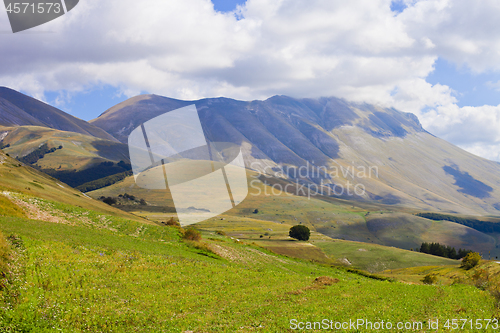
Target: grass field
(485, 275)
(77, 278)
(376, 258)
(73, 264)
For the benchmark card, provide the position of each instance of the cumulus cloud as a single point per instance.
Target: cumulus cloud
(359, 50)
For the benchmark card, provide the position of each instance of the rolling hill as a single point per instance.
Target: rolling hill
(334, 218)
(384, 152)
(73, 158)
(20, 182)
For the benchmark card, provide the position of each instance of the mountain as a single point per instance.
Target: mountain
(17, 109)
(384, 152)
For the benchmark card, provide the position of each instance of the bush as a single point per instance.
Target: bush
(173, 222)
(192, 234)
(109, 201)
(429, 279)
(470, 260)
(300, 232)
(220, 232)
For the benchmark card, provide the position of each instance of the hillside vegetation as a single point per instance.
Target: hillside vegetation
(70, 263)
(332, 217)
(71, 157)
(122, 276)
(18, 181)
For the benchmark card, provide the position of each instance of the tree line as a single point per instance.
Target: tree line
(483, 226)
(76, 178)
(103, 182)
(37, 154)
(445, 251)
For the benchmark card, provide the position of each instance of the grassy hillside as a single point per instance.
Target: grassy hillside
(19, 183)
(78, 150)
(70, 263)
(484, 276)
(376, 258)
(366, 256)
(71, 157)
(122, 279)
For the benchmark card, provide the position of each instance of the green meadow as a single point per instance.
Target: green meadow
(124, 276)
(72, 264)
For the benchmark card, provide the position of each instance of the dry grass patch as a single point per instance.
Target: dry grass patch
(319, 283)
(325, 281)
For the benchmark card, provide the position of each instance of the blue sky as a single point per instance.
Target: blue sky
(472, 89)
(435, 58)
(226, 5)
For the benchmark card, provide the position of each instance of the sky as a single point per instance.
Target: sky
(438, 59)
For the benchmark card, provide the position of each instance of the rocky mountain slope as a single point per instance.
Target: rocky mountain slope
(340, 147)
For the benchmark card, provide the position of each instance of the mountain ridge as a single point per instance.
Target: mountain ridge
(416, 169)
(17, 109)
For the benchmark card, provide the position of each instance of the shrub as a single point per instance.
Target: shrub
(429, 279)
(300, 232)
(109, 201)
(470, 260)
(192, 234)
(173, 222)
(220, 232)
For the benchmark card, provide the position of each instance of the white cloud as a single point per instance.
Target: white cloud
(466, 125)
(357, 49)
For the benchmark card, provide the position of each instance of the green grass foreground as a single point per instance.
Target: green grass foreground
(129, 277)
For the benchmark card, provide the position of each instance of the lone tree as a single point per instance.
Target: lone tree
(300, 232)
(470, 260)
